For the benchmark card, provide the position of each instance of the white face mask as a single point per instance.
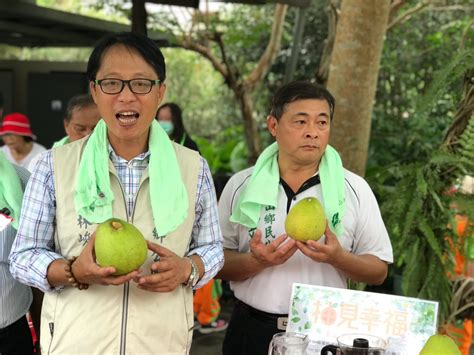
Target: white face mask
(167, 126)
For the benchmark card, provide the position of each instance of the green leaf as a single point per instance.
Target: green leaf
(430, 237)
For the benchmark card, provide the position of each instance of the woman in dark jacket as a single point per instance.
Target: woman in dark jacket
(170, 117)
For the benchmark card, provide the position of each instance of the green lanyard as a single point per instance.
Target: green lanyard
(183, 138)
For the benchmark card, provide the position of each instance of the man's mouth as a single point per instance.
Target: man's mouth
(127, 117)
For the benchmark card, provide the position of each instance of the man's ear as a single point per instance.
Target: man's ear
(272, 125)
(161, 94)
(92, 91)
(162, 91)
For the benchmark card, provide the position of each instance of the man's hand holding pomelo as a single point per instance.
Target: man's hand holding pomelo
(169, 272)
(274, 253)
(86, 270)
(328, 252)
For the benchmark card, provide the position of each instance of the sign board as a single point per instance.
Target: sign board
(324, 313)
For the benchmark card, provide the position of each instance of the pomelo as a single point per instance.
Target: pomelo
(306, 220)
(121, 245)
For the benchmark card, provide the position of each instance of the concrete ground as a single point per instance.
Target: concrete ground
(211, 344)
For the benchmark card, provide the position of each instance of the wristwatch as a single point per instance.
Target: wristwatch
(193, 276)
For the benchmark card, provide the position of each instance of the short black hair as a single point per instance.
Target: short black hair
(148, 49)
(300, 90)
(176, 118)
(78, 101)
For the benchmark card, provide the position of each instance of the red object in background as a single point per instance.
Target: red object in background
(32, 330)
(460, 258)
(462, 333)
(206, 302)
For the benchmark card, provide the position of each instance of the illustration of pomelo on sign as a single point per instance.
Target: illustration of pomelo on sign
(306, 220)
(121, 245)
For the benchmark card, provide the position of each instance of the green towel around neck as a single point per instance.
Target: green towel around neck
(168, 195)
(61, 142)
(331, 174)
(262, 189)
(11, 193)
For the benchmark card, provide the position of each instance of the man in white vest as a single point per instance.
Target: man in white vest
(128, 169)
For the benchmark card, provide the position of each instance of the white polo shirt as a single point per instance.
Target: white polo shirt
(270, 290)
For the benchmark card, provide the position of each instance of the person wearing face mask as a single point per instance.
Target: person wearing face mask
(170, 118)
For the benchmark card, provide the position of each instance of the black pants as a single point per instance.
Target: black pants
(250, 331)
(16, 339)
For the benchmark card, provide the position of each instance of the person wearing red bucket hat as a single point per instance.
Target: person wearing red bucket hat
(16, 133)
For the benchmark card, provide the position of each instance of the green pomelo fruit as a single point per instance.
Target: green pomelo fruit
(440, 344)
(121, 245)
(306, 220)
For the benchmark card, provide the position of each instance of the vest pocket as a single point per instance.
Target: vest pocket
(48, 315)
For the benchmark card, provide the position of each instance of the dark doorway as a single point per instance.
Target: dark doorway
(48, 94)
(6, 89)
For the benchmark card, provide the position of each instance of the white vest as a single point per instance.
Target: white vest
(117, 319)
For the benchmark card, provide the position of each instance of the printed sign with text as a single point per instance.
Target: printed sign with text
(324, 313)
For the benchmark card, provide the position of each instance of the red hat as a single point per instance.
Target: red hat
(16, 123)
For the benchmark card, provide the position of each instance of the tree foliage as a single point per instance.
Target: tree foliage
(416, 206)
(196, 87)
(413, 53)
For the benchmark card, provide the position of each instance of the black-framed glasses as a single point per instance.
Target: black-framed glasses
(114, 86)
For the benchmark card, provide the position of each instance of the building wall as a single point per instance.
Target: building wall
(20, 70)
(41, 91)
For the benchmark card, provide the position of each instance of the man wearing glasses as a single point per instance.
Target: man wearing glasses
(128, 169)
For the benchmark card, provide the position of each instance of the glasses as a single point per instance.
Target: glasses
(137, 86)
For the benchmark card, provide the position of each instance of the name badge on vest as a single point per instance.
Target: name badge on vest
(5, 219)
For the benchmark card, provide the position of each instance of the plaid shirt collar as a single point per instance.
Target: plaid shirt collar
(142, 158)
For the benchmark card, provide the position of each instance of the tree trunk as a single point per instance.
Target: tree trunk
(251, 131)
(353, 77)
(139, 17)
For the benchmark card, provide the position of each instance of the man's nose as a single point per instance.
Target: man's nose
(312, 130)
(126, 94)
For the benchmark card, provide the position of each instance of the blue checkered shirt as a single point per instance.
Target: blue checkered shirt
(15, 298)
(33, 250)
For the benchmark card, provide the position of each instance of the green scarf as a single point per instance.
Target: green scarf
(262, 189)
(11, 193)
(168, 195)
(61, 142)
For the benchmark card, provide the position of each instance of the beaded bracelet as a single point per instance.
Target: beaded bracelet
(70, 276)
